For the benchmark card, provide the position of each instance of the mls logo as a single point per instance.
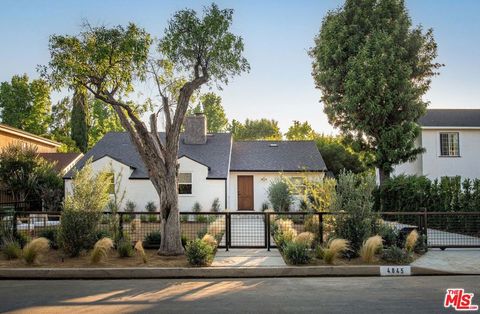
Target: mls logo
(459, 300)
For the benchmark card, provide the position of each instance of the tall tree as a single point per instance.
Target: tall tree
(262, 129)
(300, 131)
(60, 126)
(102, 119)
(211, 105)
(108, 61)
(339, 156)
(79, 127)
(373, 68)
(26, 105)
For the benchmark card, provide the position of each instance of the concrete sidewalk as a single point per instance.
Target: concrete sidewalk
(461, 261)
(248, 258)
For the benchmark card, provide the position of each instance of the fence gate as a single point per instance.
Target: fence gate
(246, 230)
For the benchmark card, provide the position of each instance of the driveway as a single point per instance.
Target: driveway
(256, 295)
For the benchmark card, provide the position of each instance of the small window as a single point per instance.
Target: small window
(111, 186)
(185, 183)
(298, 185)
(449, 144)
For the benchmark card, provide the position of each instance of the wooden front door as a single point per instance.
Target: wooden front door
(245, 192)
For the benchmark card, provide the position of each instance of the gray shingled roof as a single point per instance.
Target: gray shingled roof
(286, 156)
(117, 145)
(451, 118)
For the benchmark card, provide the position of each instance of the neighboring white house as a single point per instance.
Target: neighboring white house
(451, 138)
(211, 166)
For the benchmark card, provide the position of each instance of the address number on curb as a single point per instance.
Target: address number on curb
(395, 271)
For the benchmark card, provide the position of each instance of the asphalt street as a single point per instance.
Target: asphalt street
(255, 295)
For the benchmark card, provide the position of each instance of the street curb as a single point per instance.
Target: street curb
(205, 272)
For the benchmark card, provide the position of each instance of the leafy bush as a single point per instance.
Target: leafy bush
(125, 248)
(199, 253)
(144, 218)
(388, 233)
(100, 250)
(152, 239)
(83, 210)
(184, 240)
(284, 232)
(151, 207)
(394, 254)
(22, 239)
(279, 195)
(370, 247)
(201, 218)
(11, 249)
(34, 249)
(51, 235)
(152, 218)
(197, 207)
(215, 205)
(130, 207)
(354, 197)
(332, 250)
(264, 206)
(297, 253)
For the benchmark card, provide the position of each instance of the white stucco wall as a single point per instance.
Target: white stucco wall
(261, 181)
(141, 191)
(435, 166)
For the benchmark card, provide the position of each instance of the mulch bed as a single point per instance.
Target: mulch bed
(56, 259)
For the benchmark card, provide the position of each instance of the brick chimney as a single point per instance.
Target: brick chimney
(195, 129)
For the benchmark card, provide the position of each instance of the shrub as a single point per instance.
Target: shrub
(151, 207)
(210, 240)
(100, 250)
(196, 207)
(371, 246)
(264, 206)
(11, 249)
(297, 253)
(215, 205)
(135, 225)
(305, 238)
(201, 218)
(199, 253)
(394, 254)
(152, 218)
(125, 248)
(83, 210)
(153, 239)
(354, 197)
(388, 233)
(332, 251)
(34, 249)
(22, 239)
(312, 224)
(279, 195)
(130, 207)
(411, 241)
(421, 246)
(139, 249)
(284, 232)
(144, 218)
(51, 235)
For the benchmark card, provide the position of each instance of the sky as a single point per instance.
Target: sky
(277, 37)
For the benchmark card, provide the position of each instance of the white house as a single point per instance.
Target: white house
(211, 166)
(451, 138)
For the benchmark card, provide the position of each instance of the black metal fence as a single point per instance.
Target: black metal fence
(255, 229)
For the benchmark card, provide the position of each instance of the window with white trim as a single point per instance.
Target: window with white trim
(449, 144)
(185, 183)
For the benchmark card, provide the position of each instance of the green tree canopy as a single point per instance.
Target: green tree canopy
(109, 62)
(340, 157)
(373, 68)
(262, 129)
(26, 104)
(211, 105)
(300, 131)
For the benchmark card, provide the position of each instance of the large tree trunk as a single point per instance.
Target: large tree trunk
(171, 243)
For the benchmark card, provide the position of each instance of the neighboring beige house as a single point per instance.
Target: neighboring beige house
(211, 166)
(10, 135)
(451, 138)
